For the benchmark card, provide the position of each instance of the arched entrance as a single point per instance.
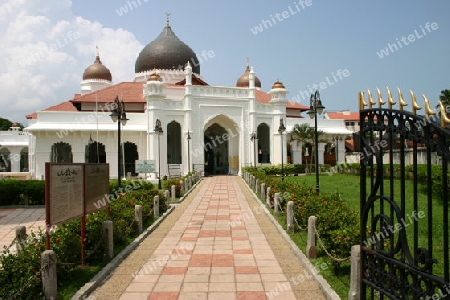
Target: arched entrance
(174, 143)
(221, 146)
(263, 135)
(5, 162)
(61, 153)
(95, 153)
(131, 155)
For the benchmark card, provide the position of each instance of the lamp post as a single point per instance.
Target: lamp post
(281, 129)
(316, 107)
(159, 131)
(188, 153)
(253, 138)
(119, 114)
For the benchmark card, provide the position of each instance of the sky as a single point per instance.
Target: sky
(337, 47)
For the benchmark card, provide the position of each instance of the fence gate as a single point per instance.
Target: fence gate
(404, 206)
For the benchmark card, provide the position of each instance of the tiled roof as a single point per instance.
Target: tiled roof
(130, 92)
(344, 115)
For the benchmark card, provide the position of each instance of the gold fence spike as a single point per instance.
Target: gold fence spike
(444, 119)
(371, 102)
(415, 106)
(428, 111)
(401, 100)
(390, 99)
(362, 104)
(380, 98)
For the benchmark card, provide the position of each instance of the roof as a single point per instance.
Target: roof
(344, 115)
(130, 92)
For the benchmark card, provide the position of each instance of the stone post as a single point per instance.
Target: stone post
(21, 237)
(156, 206)
(49, 279)
(311, 251)
(276, 206)
(182, 187)
(263, 191)
(355, 274)
(256, 186)
(173, 192)
(138, 217)
(109, 238)
(167, 196)
(268, 198)
(290, 216)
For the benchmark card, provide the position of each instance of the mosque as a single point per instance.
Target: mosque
(171, 118)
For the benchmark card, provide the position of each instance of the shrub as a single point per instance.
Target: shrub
(13, 192)
(20, 273)
(176, 183)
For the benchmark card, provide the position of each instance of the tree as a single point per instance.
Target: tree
(5, 124)
(305, 134)
(444, 97)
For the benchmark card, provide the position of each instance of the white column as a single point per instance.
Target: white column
(296, 149)
(14, 159)
(341, 150)
(321, 152)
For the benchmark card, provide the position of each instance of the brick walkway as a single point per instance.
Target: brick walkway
(212, 247)
(10, 218)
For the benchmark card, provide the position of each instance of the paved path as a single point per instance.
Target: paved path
(32, 218)
(212, 247)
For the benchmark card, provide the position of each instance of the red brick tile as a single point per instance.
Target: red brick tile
(210, 217)
(200, 260)
(243, 251)
(223, 233)
(251, 296)
(224, 207)
(246, 270)
(189, 239)
(174, 270)
(206, 233)
(223, 217)
(213, 206)
(163, 296)
(193, 228)
(222, 260)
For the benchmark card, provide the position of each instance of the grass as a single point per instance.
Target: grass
(78, 277)
(348, 186)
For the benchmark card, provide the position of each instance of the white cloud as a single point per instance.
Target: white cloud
(45, 50)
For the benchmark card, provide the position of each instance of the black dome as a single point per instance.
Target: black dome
(167, 51)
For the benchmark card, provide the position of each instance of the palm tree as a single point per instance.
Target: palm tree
(305, 134)
(444, 97)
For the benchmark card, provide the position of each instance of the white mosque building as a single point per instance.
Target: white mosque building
(204, 127)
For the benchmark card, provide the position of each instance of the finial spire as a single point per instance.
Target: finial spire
(248, 61)
(168, 19)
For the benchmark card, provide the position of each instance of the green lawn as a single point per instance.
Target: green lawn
(348, 186)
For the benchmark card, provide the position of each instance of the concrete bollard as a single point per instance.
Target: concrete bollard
(186, 184)
(182, 187)
(21, 237)
(109, 238)
(138, 217)
(263, 191)
(167, 196)
(156, 206)
(355, 273)
(172, 192)
(290, 216)
(268, 198)
(49, 279)
(276, 206)
(256, 186)
(311, 251)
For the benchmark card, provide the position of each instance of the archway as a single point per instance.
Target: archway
(95, 153)
(61, 153)
(263, 143)
(216, 150)
(24, 160)
(5, 162)
(131, 155)
(174, 143)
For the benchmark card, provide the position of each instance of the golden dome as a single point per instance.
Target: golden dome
(154, 77)
(97, 71)
(244, 81)
(278, 85)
